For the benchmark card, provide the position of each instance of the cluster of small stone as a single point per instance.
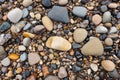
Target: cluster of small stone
(59, 39)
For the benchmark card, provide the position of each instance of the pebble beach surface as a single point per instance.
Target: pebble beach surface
(59, 40)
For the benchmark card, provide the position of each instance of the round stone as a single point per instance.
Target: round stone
(113, 5)
(5, 61)
(108, 41)
(46, 3)
(107, 17)
(62, 73)
(27, 3)
(13, 56)
(79, 35)
(62, 2)
(96, 19)
(94, 67)
(26, 41)
(101, 29)
(21, 48)
(38, 28)
(25, 12)
(108, 65)
(103, 8)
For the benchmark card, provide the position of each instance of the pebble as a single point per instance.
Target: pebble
(26, 41)
(51, 77)
(118, 15)
(33, 58)
(46, 3)
(18, 77)
(96, 19)
(108, 25)
(103, 8)
(13, 56)
(28, 35)
(5, 26)
(108, 41)
(76, 68)
(45, 70)
(10, 74)
(108, 65)
(62, 73)
(113, 5)
(19, 70)
(78, 55)
(23, 57)
(27, 3)
(38, 28)
(114, 74)
(38, 16)
(62, 2)
(94, 67)
(75, 45)
(5, 61)
(15, 15)
(32, 15)
(107, 17)
(96, 49)
(79, 11)
(32, 77)
(113, 30)
(80, 35)
(21, 48)
(101, 29)
(25, 12)
(84, 24)
(59, 13)
(3, 54)
(27, 26)
(18, 27)
(58, 43)
(4, 69)
(47, 22)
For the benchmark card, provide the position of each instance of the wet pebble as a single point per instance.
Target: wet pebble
(78, 55)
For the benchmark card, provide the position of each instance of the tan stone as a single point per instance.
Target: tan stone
(108, 41)
(112, 5)
(96, 19)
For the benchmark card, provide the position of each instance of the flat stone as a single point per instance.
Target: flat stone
(51, 77)
(23, 56)
(113, 5)
(101, 29)
(13, 56)
(107, 17)
(93, 47)
(58, 43)
(62, 73)
(76, 68)
(21, 48)
(5, 26)
(38, 28)
(27, 26)
(62, 2)
(46, 3)
(47, 22)
(59, 13)
(4, 38)
(15, 15)
(113, 30)
(96, 19)
(103, 8)
(27, 3)
(108, 65)
(5, 61)
(108, 41)
(79, 35)
(3, 54)
(26, 41)
(25, 12)
(114, 74)
(80, 11)
(33, 58)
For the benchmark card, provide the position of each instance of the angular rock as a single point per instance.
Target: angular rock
(79, 35)
(15, 15)
(58, 43)
(27, 26)
(5, 26)
(59, 13)
(25, 12)
(113, 30)
(33, 58)
(93, 47)
(4, 38)
(79, 11)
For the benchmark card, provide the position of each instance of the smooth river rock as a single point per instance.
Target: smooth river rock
(58, 43)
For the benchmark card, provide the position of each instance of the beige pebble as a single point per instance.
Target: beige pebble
(112, 5)
(37, 16)
(26, 3)
(108, 41)
(58, 43)
(96, 19)
(108, 65)
(62, 2)
(47, 22)
(10, 74)
(108, 25)
(32, 15)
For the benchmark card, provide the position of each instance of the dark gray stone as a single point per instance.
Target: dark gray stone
(5, 26)
(59, 14)
(75, 45)
(103, 8)
(46, 3)
(114, 74)
(3, 54)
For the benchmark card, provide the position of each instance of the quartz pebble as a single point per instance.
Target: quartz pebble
(13, 56)
(23, 56)
(33, 58)
(59, 13)
(79, 11)
(47, 23)
(113, 30)
(96, 49)
(25, 12)
(107, 17)
(96, 19)
(62, 2)
(26, 41)
(108, 41)
(58, 43)
(5, 61)
(15, 15)
(51, 77)
(112, 5)
(62, 73)
(21, 48)
(108, 65)
(79, 35)
(27, 3)
(101, 29)
(94, 67)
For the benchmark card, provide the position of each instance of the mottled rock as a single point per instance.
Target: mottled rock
(26, 41)
(62, 73)
(3, 54)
